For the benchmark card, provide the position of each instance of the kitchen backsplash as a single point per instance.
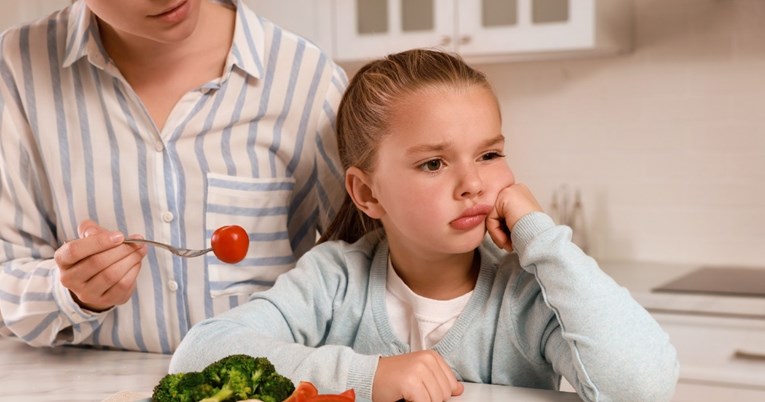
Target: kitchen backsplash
(666, 142)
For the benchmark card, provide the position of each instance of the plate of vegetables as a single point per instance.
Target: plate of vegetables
(239, 378)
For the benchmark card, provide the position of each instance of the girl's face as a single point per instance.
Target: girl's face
(163, 21)
(439, 169)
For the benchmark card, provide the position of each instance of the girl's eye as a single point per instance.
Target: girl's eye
(432, 165)
(492, 155)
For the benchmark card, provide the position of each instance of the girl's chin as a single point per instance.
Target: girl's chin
(469, 244)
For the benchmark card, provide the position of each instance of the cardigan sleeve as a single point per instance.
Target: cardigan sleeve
(602, 341)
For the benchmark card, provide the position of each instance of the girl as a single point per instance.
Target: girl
(410, 296)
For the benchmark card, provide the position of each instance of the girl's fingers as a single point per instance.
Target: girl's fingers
(451, 385)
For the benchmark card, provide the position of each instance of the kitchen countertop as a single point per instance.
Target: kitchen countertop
(87, 374)
(84, 374)
(641, 277)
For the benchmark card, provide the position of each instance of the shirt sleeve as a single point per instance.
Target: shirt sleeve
(286, 324)
(34, 306)
(601, 340)
(330, 172)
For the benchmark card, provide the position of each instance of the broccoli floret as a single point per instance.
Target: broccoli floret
(195, 387)
(232, 378)
(167, 388)
(183, 387)
(262, 368)
(275, 388)
(234, 374)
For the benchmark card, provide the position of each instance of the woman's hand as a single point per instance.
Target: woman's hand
(98, 269)
(420, 376)
(513, 202)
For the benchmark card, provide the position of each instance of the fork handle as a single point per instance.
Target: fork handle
(152, 242)
(181, 252)
(156, 243)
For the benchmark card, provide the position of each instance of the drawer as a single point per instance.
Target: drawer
(717, 351)
(700, 392)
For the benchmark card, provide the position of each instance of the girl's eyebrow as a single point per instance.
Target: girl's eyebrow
(499, 139)
(437, 147)
(427, 148)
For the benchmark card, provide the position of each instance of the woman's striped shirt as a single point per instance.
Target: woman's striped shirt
(255, 148)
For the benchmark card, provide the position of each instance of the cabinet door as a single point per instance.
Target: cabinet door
(366, 29)
(489, 27)
(721, 358)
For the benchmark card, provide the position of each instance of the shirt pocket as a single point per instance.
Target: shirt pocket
(261, 207)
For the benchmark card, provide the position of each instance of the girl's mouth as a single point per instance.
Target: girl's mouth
(471, 217)
(468, 222)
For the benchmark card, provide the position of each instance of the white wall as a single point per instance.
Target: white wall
(310, 18)
(666, 142)
(17, 11)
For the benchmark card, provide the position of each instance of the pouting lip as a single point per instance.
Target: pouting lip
(479, 209)
(169, 9)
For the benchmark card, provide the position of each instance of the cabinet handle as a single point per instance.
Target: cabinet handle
(464, 40)
(445, 41)
(748, 355)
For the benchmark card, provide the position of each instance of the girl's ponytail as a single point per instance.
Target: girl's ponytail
(349, 224)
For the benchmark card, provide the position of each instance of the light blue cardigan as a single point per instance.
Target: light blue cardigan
(542, 311)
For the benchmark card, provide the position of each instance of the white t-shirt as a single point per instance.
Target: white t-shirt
(417, 320)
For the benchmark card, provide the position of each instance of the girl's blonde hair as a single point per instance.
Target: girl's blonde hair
(365, 111)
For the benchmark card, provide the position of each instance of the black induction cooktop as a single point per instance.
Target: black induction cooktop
(728, 281)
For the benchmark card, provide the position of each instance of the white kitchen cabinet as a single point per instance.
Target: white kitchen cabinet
(722, 358)
(480, 30)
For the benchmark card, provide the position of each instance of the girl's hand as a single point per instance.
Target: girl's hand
(513, 202)
(420, 376)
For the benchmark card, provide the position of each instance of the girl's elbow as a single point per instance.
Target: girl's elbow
(660, 379)
(190, 354)
(652, 380)
(182, 360)
(652, 383)
(662, 385)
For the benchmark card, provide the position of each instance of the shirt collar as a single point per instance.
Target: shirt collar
(82, 37)
(247, 47)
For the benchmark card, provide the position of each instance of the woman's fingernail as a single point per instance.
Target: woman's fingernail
(117, 237)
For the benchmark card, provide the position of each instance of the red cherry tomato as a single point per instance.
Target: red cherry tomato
(345, 396)
(307, 392)
(303, 392)
(230, 243)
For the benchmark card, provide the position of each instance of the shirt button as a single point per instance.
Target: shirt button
(172, 285)
(159, 147)
(167, 216)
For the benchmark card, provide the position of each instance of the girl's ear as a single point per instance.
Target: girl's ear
(359, 187)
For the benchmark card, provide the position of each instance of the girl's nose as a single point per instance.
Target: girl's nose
(470, 183)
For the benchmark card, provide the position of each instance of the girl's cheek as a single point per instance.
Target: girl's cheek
(507, 178)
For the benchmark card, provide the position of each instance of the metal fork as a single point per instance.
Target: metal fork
(181, 252)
